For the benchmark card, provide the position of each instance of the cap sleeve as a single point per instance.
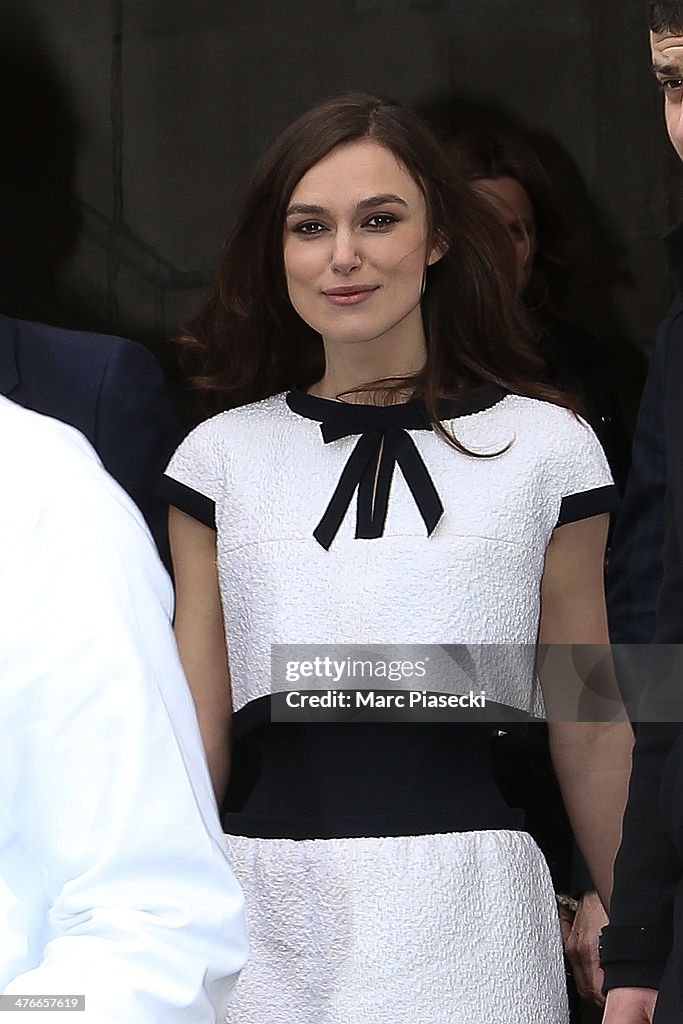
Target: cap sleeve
(584, 479)
(192, 481)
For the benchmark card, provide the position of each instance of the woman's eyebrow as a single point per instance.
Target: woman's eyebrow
(306, 208)
(363, 204)
(380, 200)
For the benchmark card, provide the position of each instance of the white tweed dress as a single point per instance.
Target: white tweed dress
(452, 926)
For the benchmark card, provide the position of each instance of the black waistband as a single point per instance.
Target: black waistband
(372, 826)
(325, 780)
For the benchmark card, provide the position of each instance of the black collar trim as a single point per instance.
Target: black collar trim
(408, 415)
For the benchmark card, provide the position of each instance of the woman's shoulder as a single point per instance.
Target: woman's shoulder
(567, 449)
(216, 449)
(550, 416)
(233, 432)
(226, 425)
(548, 433)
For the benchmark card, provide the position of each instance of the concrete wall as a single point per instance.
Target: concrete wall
(140, 120)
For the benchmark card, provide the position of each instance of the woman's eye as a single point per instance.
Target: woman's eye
(310, 227)
(380, 220)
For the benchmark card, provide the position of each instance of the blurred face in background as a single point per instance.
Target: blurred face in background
(514, 208)
(667, 64)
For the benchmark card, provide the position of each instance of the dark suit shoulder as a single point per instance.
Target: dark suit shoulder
(109, 388)
(59, 372)
(82, 355)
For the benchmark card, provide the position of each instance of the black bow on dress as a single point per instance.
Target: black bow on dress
(383, 444)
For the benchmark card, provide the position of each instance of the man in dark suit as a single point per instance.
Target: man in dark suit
(110, 389)
(642, 949)
(634, 571)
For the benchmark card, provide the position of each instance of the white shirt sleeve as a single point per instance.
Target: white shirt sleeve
(107, 818)
(580, 478)
(194, 480)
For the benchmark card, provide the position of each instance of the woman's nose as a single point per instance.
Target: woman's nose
(345, 254)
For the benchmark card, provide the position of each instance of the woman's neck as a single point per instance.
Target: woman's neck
(352, 366)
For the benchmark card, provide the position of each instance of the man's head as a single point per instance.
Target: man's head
(666, 15)
(666, 44)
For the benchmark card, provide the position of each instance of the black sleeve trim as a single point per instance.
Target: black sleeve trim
(188, 500)
(632, 975)
(588, 503)
(632, 957)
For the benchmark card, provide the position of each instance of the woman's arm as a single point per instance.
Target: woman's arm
(591, 757)
(201, 638)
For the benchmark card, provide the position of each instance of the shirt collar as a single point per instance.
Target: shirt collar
(408, 415)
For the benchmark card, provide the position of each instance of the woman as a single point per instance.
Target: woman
(506, 171)
(384, 875)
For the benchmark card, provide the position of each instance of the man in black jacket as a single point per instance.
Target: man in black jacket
(642, 949)
(110, 389)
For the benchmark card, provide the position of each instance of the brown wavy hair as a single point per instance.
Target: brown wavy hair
(248, 342)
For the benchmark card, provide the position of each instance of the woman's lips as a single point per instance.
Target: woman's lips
(349, 296)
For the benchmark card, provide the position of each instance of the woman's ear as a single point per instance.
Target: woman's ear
(440, 249)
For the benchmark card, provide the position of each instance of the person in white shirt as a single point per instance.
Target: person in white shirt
(113, 880)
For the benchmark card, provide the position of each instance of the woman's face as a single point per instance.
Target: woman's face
(513, 205)
(355, 247)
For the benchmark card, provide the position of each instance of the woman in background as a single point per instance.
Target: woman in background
(506, 171)
(394, 474)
